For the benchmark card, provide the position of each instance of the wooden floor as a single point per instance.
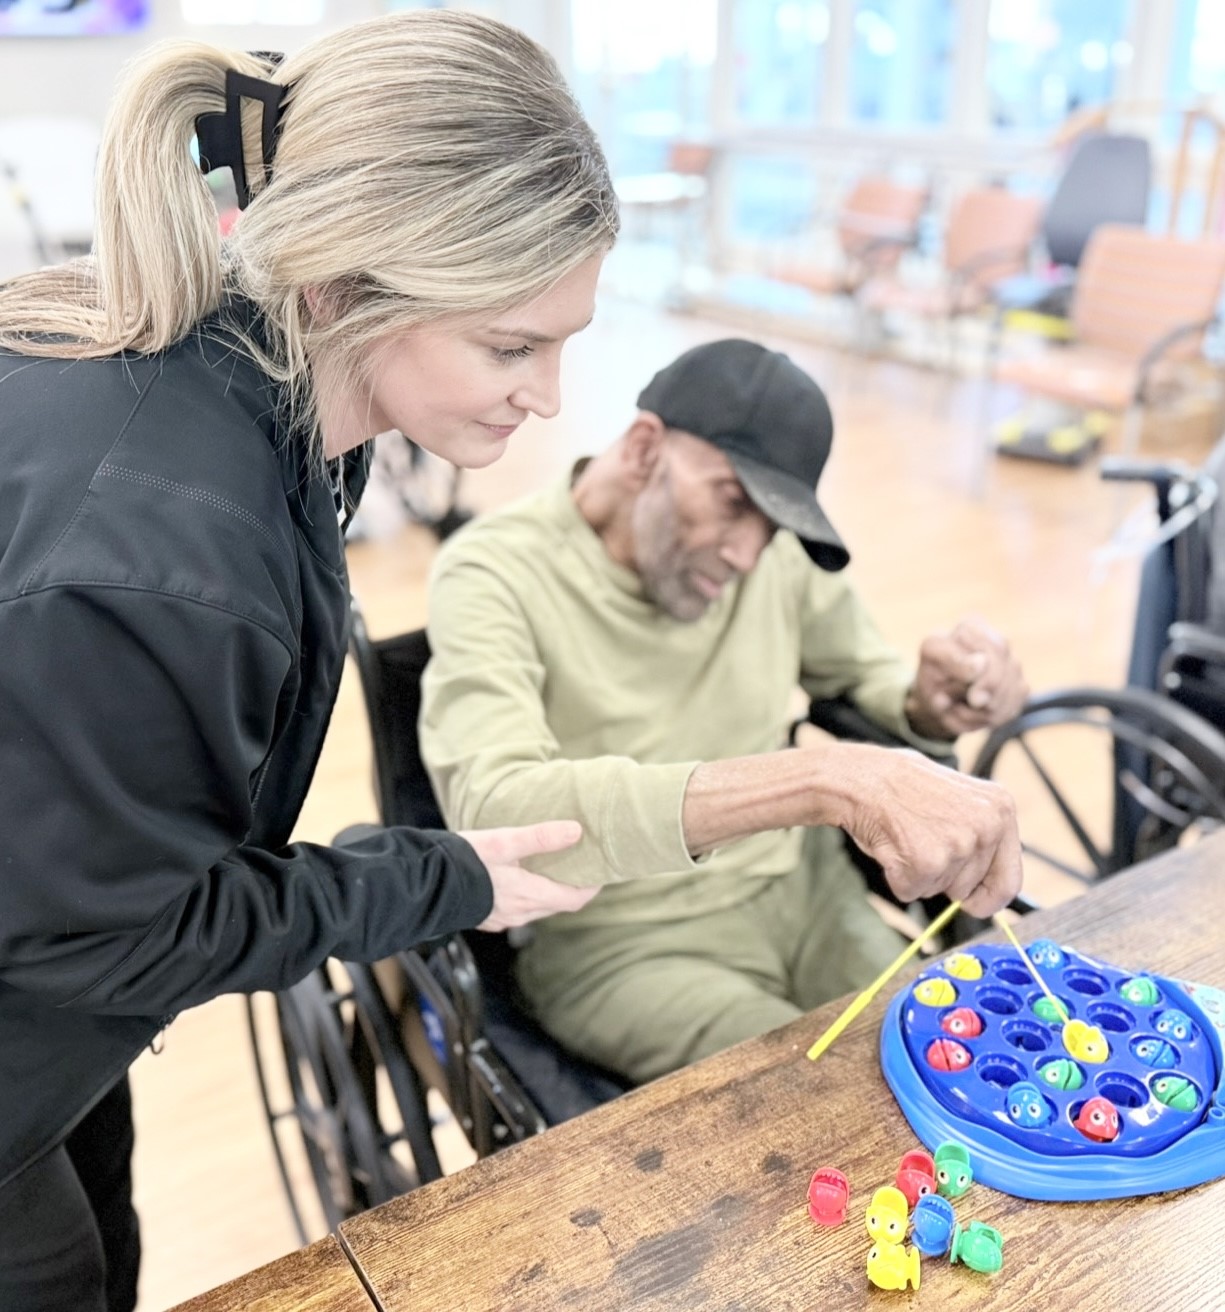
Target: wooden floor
(926, 550)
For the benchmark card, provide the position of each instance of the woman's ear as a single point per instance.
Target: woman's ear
(643, 447)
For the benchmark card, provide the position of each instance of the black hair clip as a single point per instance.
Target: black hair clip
(219, 136)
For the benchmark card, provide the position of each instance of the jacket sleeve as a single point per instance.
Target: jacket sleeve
(133, 727)
(494, 759)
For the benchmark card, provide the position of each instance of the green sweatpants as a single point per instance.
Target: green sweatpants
(645, 999)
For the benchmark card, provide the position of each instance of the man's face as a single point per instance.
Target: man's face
(694, 528)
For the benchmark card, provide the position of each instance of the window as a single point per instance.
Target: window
(642, 71)
(902, 61)
(773, 197)
(1197, 66)
(1048, 58)
(779, 59)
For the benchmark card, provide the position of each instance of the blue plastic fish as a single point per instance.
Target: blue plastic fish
(1174, 1024)
(1155, 1052)
(1026, 1105)
(1042, 952)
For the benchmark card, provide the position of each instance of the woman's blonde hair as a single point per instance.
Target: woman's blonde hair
(429, 163)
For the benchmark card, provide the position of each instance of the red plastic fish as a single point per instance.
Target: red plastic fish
(963, 1023)
(946, 1055)
(828, 1194)
(1098, 1120)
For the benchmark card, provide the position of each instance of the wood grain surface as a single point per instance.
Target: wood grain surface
(690, 1192)
(315, 1279)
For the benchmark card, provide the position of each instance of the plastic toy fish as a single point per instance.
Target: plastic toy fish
(953, 1172)
(916, 1176)
(979, 1246)
(1174, 1024)
(932, 1225)
(934, 992)
(1042, 952)
(1176, 1091)
(1062, 1074)
(1140, 991)
(828, 1195)
(1098, 1120)
(1026, 1105)
(890, 1266)
(1155, 1052)
(947, 1055)
(964, 965)
(1085, 1042)
(963, 1023)
(887, 1215)
(1046, 1010)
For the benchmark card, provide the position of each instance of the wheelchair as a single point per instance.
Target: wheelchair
(363, 1044)
(1122, 775)
(348, 1055)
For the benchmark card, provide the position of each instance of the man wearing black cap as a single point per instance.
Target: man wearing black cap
(623, 649)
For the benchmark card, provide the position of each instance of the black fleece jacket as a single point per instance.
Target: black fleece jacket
(173, 608)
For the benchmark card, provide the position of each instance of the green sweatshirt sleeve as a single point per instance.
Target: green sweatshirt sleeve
(491, 754)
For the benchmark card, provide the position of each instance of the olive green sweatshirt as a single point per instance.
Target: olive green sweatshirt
(557, 691)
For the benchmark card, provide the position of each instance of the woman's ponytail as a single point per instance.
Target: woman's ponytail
(156, 263)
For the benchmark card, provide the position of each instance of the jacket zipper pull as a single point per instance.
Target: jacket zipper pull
(157, 1043)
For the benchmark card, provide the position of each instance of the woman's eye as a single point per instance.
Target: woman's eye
(508, 353)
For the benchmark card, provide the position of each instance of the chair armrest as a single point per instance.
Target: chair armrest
(985, 259)
(1196, 642)
(1163, 475)
(841, 718)
(878, 246)
(1154, 353)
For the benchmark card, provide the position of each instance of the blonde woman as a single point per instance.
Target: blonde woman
(425, 213)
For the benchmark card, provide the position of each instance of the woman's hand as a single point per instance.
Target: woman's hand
(519, 896)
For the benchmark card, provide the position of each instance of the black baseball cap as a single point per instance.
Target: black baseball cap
(771, 421)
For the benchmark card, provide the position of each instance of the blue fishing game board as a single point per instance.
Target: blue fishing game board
(973, 1051)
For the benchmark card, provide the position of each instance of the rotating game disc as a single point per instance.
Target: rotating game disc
(982, 1061)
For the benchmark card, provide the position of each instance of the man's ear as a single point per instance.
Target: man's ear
(643, 447)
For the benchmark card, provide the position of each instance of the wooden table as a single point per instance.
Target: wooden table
(690, 1192)
(315, 1279)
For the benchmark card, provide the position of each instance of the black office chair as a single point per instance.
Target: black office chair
(1106, 180)
(1156, 775)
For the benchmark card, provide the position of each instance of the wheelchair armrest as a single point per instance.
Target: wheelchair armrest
(1163, 475)
(1192, 671)
(841, 718)
(1195, 642)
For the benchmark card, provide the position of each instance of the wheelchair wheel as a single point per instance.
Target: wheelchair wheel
(329, 1051)
(1104, 779)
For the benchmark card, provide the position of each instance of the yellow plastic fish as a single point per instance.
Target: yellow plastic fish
(1085, 1042)
(887, 1215)
(935, 992)
(890, 1266)
(963, 965)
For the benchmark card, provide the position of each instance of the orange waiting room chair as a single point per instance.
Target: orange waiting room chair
(989, 237)
(876, 223)
(1142, 305)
